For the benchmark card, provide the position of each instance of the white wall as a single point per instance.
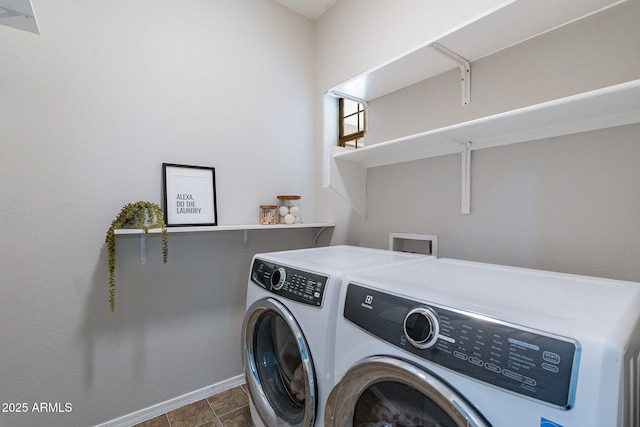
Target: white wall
(89, 110)
(566, 204)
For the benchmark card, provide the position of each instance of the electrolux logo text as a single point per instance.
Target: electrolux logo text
(367, 302)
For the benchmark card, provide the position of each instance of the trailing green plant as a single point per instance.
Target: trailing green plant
(143, 215)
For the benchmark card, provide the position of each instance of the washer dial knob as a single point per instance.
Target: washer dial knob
(278, 278)
(421, 327)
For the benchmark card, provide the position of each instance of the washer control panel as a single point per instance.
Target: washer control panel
(522, 360)
(297, 285)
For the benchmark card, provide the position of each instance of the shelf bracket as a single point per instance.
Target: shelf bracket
(245, 238)
(465, 178)
(25, 19)
(143, 248)
(6, 13)
(465, 71)
(317, 236)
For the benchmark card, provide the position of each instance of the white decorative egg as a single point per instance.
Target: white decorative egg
(283, 210)
(294, 210)
(289, 219)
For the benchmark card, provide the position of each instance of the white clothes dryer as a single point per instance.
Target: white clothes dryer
(287, 333)
(458, 344)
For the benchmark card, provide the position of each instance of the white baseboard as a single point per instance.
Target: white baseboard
(175, 403)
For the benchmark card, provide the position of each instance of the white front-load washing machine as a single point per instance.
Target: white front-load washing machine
(457, 344)
(288, 328)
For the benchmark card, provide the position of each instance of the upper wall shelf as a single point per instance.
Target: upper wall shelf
(507, 24)
(616, 105)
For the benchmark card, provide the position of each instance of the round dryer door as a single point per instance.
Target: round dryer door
(383, 391)
(278, 366)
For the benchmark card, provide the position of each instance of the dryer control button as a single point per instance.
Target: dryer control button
(421, 327)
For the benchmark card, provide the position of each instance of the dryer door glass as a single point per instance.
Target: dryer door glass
(384, 391)
(396, 404)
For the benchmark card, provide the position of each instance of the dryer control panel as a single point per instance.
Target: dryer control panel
(522, 360)
(291, 283)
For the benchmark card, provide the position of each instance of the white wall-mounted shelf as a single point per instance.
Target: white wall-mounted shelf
(599, 109)
(214, 228)
(245, 228)
(507, 24)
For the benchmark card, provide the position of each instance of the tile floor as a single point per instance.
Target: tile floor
(226, 409)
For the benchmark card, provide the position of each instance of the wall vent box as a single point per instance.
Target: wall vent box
(425, 244)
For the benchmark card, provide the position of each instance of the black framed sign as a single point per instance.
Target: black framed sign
(189, 195)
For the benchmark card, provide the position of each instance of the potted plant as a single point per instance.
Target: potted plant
(143, 215)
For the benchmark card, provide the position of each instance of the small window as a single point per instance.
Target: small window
(351, 123)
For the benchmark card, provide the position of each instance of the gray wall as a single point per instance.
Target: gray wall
(567, 204)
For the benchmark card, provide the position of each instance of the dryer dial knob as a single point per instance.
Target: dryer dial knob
(421, 327)
(278, 278)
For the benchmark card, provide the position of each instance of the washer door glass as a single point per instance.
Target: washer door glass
(278, 366)
(382, 391)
